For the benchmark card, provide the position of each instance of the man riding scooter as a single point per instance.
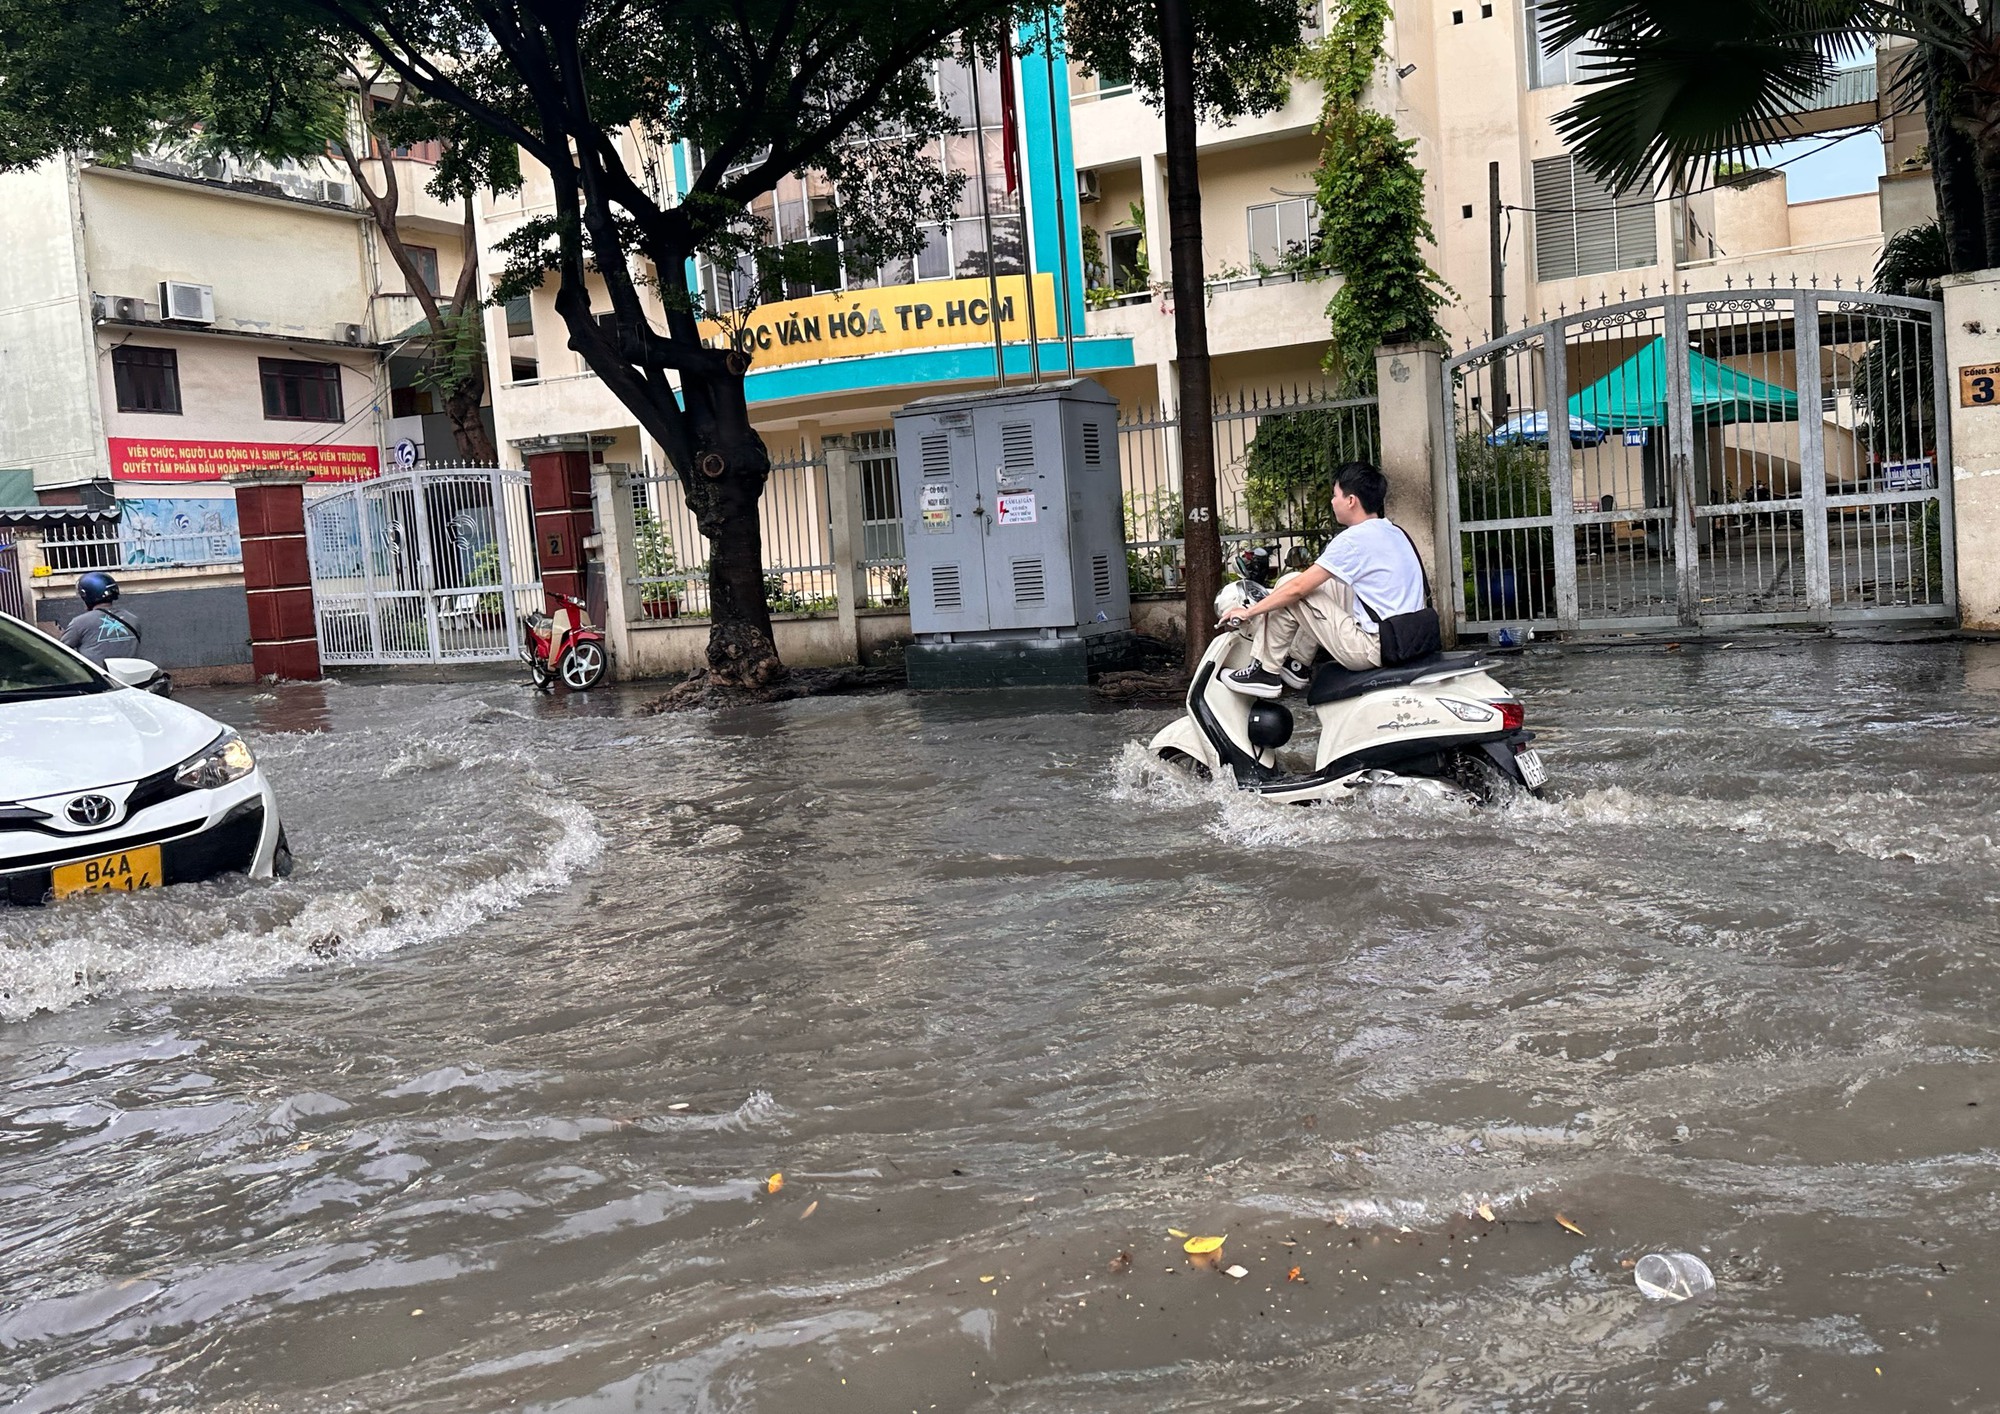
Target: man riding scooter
(1368, 573)
(100, 631)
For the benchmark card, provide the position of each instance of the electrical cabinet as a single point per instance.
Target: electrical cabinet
(1013, 529)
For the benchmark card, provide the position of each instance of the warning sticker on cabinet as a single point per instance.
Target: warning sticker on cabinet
(935, 503)
(1016, 507)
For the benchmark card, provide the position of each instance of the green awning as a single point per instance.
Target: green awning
(1634, 394)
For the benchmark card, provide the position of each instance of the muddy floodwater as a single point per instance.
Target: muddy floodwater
(483, 1109)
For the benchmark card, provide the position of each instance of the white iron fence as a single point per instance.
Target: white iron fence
(1275, 454)
(71, 546)
(423, 566)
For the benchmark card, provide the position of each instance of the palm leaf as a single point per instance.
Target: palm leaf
(1679, 85)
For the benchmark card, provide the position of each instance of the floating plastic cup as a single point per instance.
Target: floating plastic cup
(1673, 1277)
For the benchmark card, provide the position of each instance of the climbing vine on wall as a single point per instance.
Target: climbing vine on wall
(1372, 223)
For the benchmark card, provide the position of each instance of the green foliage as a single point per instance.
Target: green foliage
(1509, 574)
(486, 570)
(1372, 223)
(653, 554)
(1913, 262)
(1246, 49)
(1288, 469)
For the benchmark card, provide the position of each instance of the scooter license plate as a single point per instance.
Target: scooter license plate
(1532, 769)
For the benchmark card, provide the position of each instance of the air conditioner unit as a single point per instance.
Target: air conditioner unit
(336, 193)
(187, 304)
(1086, 186)
(351, 333)
(128, 308)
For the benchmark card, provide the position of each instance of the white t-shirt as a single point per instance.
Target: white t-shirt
(1376, 560)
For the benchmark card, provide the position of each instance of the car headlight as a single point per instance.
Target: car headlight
(223, 760)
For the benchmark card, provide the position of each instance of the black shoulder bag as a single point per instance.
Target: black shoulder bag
(1407, 637)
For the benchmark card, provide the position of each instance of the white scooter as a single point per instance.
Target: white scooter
(1439, 726)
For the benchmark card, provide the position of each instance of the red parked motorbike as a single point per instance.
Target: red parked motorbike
(564, 646)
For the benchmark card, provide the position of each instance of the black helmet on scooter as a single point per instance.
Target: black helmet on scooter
(1269, 726)
(1253, 563)
(96, 588)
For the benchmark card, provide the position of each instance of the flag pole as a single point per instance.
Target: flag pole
(1062, 223)
(1011, 110)
(986, 212)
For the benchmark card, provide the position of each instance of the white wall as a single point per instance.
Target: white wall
(48, 420)
(277, 267)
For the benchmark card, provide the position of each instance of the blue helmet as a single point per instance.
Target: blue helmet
(96, 588)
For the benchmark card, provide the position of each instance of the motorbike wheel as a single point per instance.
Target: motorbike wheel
(582, 666)
(1476, 775)
(539, 672)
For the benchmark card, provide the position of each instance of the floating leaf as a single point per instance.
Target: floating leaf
(1175, 1232)
(678, 1105)
(1121, 1263)
(1570, 1225)
(1238, 1272)
(810, 1209)
(774, 1183)
(1485, 1210)
(1293, 1275)
(1202, 1246)
(987, 1278)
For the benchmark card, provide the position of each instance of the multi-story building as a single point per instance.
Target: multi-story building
(167, 320)
(1467, 81)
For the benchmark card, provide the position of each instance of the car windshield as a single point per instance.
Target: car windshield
(32, 665)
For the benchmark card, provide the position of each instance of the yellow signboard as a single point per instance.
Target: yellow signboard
(893, 319)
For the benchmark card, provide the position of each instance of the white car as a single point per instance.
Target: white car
(104, 786)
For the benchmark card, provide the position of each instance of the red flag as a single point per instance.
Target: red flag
(1010, 154)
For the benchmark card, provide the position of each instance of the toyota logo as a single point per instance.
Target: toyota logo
(90, 810)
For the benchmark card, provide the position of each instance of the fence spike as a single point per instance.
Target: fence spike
(1815, 279)
(1836, 282)
(1728, 282)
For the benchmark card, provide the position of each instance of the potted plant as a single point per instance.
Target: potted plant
(489, 609)
(661, 580)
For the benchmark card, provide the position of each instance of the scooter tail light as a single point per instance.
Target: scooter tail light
(1512, 715)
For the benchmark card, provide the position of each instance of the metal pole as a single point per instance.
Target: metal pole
(1062, 223)
(986, 218)
(1028, 246)
(1499, 278)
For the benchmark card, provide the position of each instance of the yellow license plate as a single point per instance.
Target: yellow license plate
(126, 870)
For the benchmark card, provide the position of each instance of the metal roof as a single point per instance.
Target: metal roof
(1845, 89)
(53, 515)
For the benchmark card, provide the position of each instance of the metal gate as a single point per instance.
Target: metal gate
(13, 592)
(433, 565)
(1720, 459)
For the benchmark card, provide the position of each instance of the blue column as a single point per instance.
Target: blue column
(1049, 163)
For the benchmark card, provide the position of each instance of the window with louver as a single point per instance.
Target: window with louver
(1581, 230)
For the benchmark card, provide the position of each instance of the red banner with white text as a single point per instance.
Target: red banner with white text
(163, 459)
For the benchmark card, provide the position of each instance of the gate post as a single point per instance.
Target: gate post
(277, 573)
(560, 494)
(850, 576)
(1971, 496)
(1411, 417)
(618, 554)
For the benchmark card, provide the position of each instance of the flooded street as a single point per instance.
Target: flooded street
(480, 1110)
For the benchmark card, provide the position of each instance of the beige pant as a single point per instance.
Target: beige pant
(1324, 618)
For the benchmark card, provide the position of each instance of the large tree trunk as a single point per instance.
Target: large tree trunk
(468, 429)
(1955, 175)
(1197, 424)
(730, 468)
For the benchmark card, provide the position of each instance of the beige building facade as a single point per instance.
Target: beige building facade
(1467, 82)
